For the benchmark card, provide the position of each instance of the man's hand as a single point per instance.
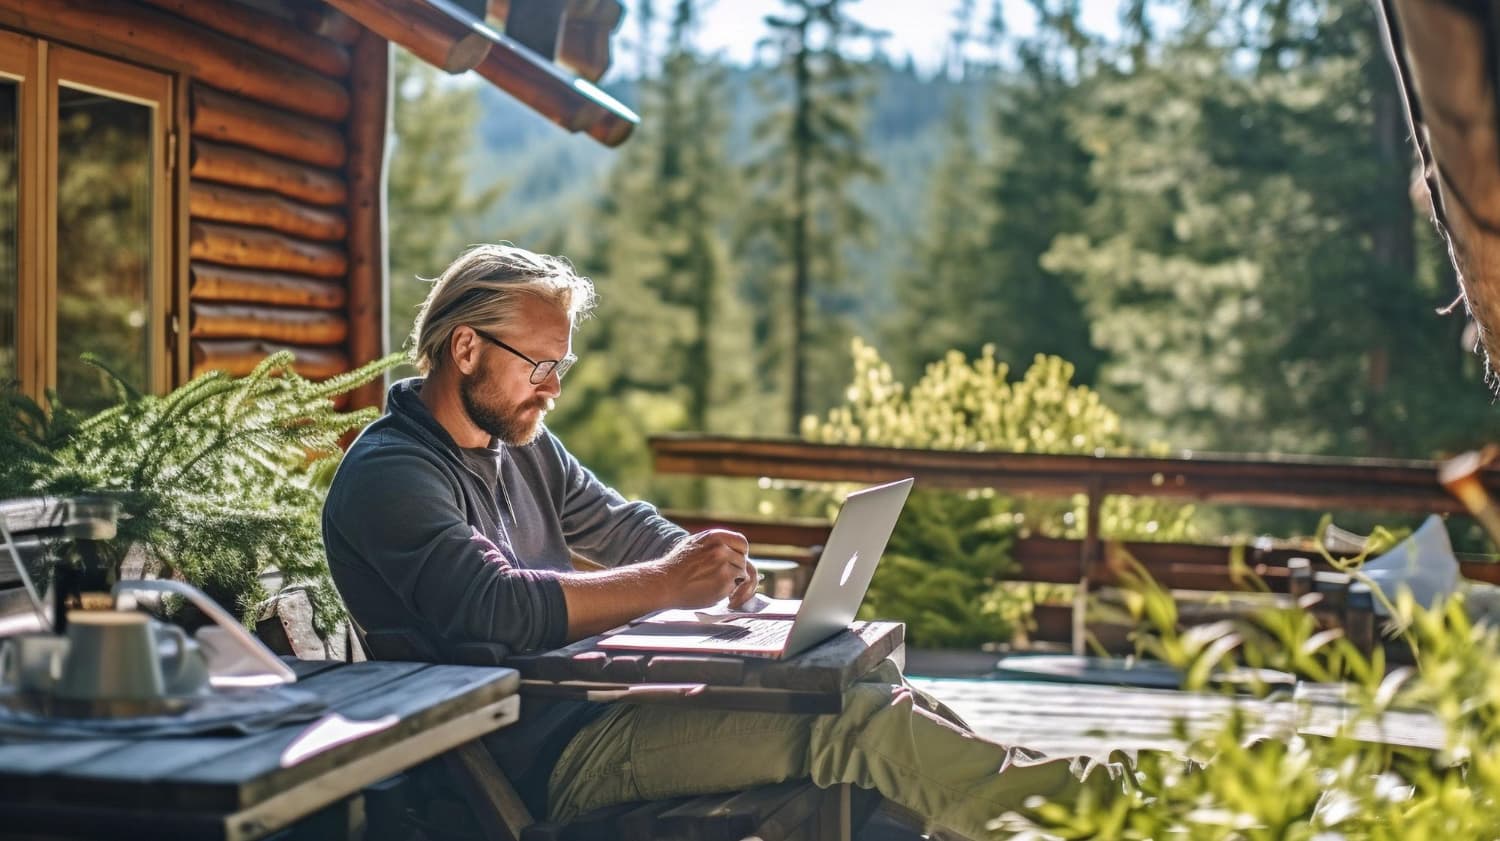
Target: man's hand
(709, 566)
(699, 571)
(746, 588)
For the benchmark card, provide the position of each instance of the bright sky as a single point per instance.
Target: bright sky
(919, 28)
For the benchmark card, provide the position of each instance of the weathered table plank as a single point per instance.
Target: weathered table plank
(244, 787)
(170, 771)
(822, 672)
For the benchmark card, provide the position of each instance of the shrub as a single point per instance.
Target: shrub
(951, 550)
(1317, 787)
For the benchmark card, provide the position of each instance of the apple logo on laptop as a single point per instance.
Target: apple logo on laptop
(848, 569)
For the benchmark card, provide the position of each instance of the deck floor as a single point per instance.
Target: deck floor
(1092, 720)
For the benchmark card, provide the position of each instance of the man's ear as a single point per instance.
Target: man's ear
(463, 350)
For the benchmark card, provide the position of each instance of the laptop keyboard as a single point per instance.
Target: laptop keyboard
(754, 631)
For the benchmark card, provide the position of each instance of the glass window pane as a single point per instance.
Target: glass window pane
(10, 196)
(104, 179)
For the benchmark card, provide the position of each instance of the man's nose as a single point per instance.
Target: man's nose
(551, 385)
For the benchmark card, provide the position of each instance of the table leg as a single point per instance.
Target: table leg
(834, 816)
(496, 804)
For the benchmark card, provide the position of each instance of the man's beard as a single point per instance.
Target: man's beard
(505, 422)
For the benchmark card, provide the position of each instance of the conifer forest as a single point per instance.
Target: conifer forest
(1208, 213)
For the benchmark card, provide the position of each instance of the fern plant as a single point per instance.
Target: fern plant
(217, 482)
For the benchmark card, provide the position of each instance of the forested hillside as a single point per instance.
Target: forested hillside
(553, 178)
(1210, 220)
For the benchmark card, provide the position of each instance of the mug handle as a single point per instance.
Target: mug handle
(9, 662)
(180, 641)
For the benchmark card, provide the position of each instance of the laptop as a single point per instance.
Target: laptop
(786, 628)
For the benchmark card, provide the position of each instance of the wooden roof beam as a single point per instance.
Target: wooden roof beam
(445, 34)
(434, 35)
(581, 43)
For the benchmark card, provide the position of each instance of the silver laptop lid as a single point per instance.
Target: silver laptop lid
(843, 573)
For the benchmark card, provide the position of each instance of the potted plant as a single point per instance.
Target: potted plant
(218, 482)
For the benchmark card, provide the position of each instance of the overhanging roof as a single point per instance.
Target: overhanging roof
(448, 35)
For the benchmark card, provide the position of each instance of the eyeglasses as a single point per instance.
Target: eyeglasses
(541, 370)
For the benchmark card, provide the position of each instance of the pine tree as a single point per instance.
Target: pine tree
(948, 265)
(1038, 186)
(664, 352)
(811, 151)
(431, 204)
(1249, 262)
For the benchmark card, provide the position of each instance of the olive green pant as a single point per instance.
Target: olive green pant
(889, 737)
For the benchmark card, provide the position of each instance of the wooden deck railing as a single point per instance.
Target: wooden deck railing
(1301, 482)
(1306, 482)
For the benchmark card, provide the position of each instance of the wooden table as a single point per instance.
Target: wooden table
(811, 682)
(228, 787)
(814, 681)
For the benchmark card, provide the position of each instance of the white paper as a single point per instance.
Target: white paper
(1423, 563)
(758, 607)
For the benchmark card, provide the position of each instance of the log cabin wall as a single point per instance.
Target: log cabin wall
(281, 228)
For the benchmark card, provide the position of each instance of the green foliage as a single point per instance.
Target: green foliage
(669, 345)
(952, 604)
(942, 574)
(811, 151)
(1250, 261)
(1315, 787)
(964, 405)
(1206, 213)
(218, 481)
(433, 205)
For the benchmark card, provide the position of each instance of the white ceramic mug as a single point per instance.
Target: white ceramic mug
(185, 671)
(32, 662)
(113, 656)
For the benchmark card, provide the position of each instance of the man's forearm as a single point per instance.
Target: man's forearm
(699, 571)
(598, 601)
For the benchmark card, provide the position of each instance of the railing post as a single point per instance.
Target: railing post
(1299, 574)
(1089, 555)
(1359, 617)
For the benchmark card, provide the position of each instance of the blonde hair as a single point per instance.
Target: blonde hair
(484, 288)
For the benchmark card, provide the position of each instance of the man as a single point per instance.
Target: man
(455, 517)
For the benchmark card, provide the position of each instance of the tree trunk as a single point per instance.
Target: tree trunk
(801, 256)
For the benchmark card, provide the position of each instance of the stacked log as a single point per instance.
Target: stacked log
(241, 167)
(209, 56)
(240, 357)
(260, 209)
(284, 104)
(267, 32)
(268, 198)
(277, 324)
(219, 116)
(209, 282)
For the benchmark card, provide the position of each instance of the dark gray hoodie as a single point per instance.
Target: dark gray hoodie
(467, 545)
